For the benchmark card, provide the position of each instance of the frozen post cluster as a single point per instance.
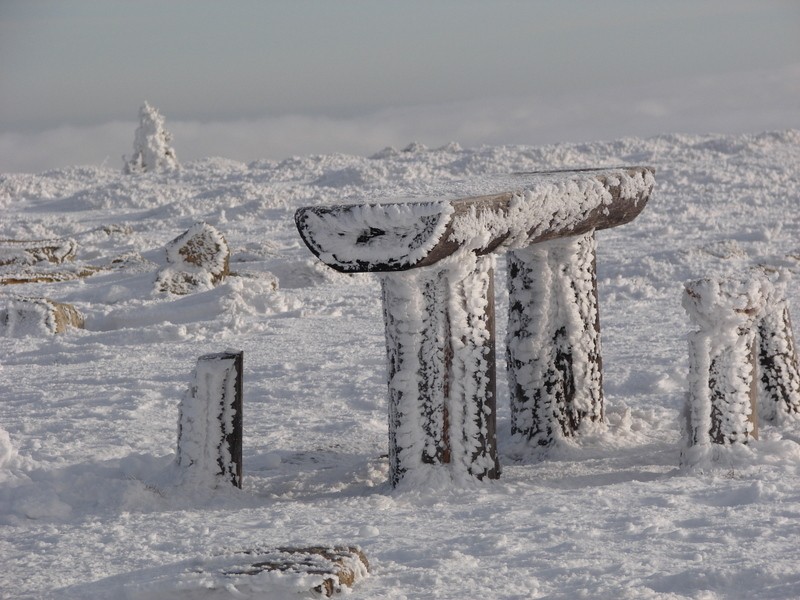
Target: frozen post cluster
(742, 360)
(436, 260)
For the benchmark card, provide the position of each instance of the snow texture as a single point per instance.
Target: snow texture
(25, 253)
(548, 203)
(22, 317)
(89, 508)
(553, 340)
(151, 144)
(259, 573)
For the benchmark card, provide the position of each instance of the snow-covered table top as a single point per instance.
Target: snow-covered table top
(482, 215)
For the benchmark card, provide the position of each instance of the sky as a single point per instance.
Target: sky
(267, 79)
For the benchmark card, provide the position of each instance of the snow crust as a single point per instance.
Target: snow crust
(89, 506)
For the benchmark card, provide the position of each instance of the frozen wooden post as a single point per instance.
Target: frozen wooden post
(722, 401)
(210, 424)
(779, 377)
(435, 257)
(554, 361)
(441, 351)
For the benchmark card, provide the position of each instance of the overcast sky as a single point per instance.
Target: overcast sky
(266, 79)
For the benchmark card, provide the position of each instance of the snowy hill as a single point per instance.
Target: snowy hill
(89, 507)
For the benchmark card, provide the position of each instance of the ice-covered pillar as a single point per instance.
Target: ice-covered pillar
(722, 400)
(779, 377)
(553, 353)
(433, 255)
(210, 423)
(440, 345)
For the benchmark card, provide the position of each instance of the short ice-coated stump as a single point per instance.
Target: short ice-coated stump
(435, 256)
(742, 359)
(210, 422)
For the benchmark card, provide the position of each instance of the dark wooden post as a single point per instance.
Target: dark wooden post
(440, 346)
(210, 423)
(779, 377)
(553, 343)
(722, 401)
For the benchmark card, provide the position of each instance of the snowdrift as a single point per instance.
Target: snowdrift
(90, 506)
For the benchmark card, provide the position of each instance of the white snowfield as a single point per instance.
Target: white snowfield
(91, 504)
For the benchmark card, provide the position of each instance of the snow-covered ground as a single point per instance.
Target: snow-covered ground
(89, 501)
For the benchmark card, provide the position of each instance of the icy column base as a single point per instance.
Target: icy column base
(553, 343)
(722, 403)
(210, 422)
(441, 353)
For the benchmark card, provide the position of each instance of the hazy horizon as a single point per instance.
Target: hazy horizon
(268, 79)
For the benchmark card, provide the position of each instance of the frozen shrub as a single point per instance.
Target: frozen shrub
(151, 144)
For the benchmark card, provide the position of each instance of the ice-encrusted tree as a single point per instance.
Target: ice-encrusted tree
(151, 144)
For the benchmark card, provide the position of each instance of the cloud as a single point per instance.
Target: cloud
(737, 103)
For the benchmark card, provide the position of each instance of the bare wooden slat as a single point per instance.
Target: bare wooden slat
(517, 210)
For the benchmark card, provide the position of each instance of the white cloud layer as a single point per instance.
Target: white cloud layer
(746, 102)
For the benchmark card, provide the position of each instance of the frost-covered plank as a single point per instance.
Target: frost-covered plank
(482, 216)
(30, 252)
(262, 572)
(553, 344)
(441, 354)
(210, 424)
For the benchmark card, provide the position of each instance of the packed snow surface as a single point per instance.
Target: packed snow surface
(92, 504)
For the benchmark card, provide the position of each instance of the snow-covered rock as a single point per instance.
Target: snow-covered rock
(197, 260)
(37, 316)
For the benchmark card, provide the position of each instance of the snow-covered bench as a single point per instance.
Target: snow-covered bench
(436, 259)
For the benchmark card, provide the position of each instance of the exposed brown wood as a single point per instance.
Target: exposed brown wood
(34, 275)
(55, 317)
